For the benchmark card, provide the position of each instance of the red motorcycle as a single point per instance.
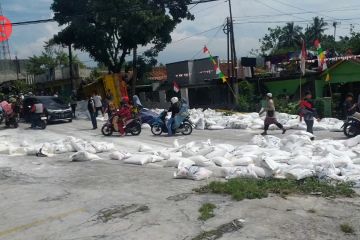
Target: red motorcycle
(132, 126)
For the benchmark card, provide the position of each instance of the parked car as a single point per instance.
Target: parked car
(55, 108)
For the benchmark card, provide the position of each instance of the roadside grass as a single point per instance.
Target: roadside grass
(347, 228)
(241, 189)
(206, 211)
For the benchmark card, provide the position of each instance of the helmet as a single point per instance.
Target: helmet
(269, 95)
(125, 100)
(174, 100)
(12, 100)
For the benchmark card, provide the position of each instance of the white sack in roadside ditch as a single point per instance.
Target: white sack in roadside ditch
(83, 156)
(193, 173)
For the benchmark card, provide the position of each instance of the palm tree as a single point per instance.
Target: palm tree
(290, 36)
(315, 30)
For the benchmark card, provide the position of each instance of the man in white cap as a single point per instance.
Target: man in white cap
(270, 115)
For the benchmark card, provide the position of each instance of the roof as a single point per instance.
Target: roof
(158, 74)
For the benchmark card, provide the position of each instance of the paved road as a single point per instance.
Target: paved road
(52, 198)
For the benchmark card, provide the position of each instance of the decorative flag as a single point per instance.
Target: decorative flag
(303, 58)
(176, 87)
(216, 66)
(328, 78)
(321, 56)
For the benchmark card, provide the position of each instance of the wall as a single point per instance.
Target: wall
(287, 87)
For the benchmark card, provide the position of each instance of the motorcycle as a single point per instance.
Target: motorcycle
(158, 127)
(352, 126)
(133, 127)
(40, 122)
(12, 120)
(1, 116)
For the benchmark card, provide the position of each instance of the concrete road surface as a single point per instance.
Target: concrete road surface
(53, 198)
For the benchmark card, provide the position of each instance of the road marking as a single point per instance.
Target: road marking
(39, 222)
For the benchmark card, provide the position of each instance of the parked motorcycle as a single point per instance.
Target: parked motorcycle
(158, 127)
(132, 127)
(41, 122)
(352, 126)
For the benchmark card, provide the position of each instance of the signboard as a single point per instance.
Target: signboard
(191, 72)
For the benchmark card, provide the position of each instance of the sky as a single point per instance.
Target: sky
(252, 19)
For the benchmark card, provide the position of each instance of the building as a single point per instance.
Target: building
(58, 80)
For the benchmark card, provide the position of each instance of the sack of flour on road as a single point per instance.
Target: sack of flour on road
(193, 173)
(84, 156)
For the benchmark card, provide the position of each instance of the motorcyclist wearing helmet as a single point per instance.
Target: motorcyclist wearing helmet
(123, 114)
(174, 109)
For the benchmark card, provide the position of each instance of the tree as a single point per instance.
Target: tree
(52, 56)
(281, 39)
(109, 30)
(290, 36)
(315, 30)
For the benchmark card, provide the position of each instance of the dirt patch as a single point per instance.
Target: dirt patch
(217, 233)
(10, 176)
(56, 198)
(119, 211)
(179, 197)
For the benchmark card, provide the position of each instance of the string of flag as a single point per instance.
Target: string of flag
(218, 71)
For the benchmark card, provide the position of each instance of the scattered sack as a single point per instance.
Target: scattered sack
(138, 159)
(201, 161)
(193, 173)
(145, 148)
(83, 156)
(222, 162)
(119, 155)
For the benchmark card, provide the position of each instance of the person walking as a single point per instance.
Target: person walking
(98, 104)
(270, 115)
(92, 111)
(308, 113)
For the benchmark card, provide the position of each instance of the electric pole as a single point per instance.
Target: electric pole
(133, 85)
(71, 68)
(335, 26)
(234, 76)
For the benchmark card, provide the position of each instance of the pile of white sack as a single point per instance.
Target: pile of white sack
(293, 157)
(84, 150)
(213, 120)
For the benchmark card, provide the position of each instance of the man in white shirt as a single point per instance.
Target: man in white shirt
(98, 104)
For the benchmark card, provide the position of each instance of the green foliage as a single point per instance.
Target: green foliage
(108, 30)
(347, 228)
(206, 211)
(246, 94)
(284, 106)
(241, 189)
(52, 57)
(281, 40)
(20, 86)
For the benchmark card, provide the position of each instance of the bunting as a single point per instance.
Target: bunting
(218, 71)
(321, 56)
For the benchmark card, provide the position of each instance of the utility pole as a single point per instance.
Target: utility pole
(335, 26)
(234, 76)
(133, 85)
(71, 68)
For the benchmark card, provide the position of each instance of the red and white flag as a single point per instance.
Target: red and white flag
(303, 58)
(176, 87)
